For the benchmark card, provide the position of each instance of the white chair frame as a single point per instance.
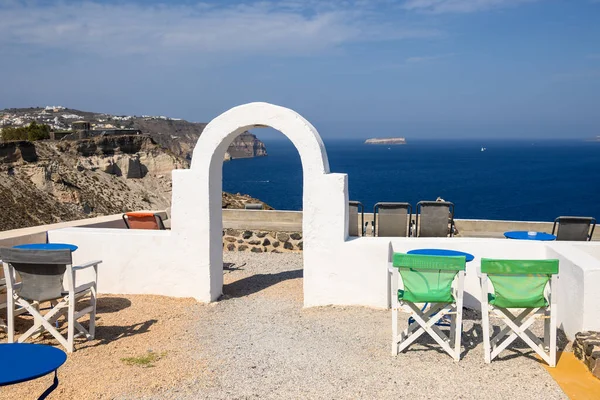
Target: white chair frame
(60, 307)
(425, 321)
(18, 311)
(517, 325)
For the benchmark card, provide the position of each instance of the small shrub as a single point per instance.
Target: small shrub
(32, 132)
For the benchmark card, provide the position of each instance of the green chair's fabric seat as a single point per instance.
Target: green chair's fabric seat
(440, 296)
(532, 301)
(518, 283)
(427, 279)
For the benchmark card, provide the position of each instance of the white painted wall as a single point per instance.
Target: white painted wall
(135, 261)
(188, 260)
(352, 273)
(579, 285)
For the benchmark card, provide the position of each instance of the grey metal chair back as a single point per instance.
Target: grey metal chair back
(356, 209)
(574, 228)
(434, 219)
(41, 271)
(392, 219)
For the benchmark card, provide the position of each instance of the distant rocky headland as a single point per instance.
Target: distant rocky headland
(174, 134)
(396, 140)
(245, 145)
(65, 169)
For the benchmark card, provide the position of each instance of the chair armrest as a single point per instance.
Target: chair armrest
(87, 265)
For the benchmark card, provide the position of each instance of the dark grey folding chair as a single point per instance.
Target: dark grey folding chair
(42, 273)
(356, 207)
(574, 228)
(434, 219)
(392, 219)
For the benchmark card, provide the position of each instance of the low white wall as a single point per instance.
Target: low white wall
(354, 272)
(136, 261)
(578, 286)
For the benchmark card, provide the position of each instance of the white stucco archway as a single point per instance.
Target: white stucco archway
(196, 208)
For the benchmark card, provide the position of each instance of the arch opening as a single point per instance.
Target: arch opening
(251, 237)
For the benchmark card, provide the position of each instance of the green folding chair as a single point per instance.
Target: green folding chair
(528, 287)
(428, 279)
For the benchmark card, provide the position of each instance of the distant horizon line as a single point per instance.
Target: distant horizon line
(595, 139)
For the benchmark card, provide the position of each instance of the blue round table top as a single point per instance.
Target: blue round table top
(525, 235)
(47, 246)
(26, 361)
(442, 252)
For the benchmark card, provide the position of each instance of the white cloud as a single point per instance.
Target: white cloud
(288, 27)
(459, 6)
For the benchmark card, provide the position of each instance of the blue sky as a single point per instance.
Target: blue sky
(354, 68)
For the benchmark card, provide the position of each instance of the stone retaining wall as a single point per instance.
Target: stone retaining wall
(586, 347)
(257, 241)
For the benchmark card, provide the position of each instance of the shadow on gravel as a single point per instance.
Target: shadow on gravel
(474, 336)
(256, 283)
(111, 304)
(109, 333)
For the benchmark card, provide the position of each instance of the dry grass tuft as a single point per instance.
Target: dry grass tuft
(146, 361)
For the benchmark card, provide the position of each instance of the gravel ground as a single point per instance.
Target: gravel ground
(258, 342)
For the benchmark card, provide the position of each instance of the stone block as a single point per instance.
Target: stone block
(296, 236)
(578, 350)
(254, 242)
(586, 347)
(275, 244)
(283, 237)
(231, 247)
(256, 250)
(230, 239)
(300, 246)
(579, 336)
(247, 234)
(266, 242)
(240, 241)
(591, 346)
(594, 367)
(288, 246)
(261, 234)
(243, 247)
(233, 232)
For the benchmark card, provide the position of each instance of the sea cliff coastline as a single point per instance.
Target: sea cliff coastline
(397, 140)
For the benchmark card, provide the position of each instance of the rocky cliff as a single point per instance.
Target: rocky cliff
(53, 181)
(177, 135)
(244, 146)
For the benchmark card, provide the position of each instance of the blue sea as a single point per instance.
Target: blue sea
(510, 180)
